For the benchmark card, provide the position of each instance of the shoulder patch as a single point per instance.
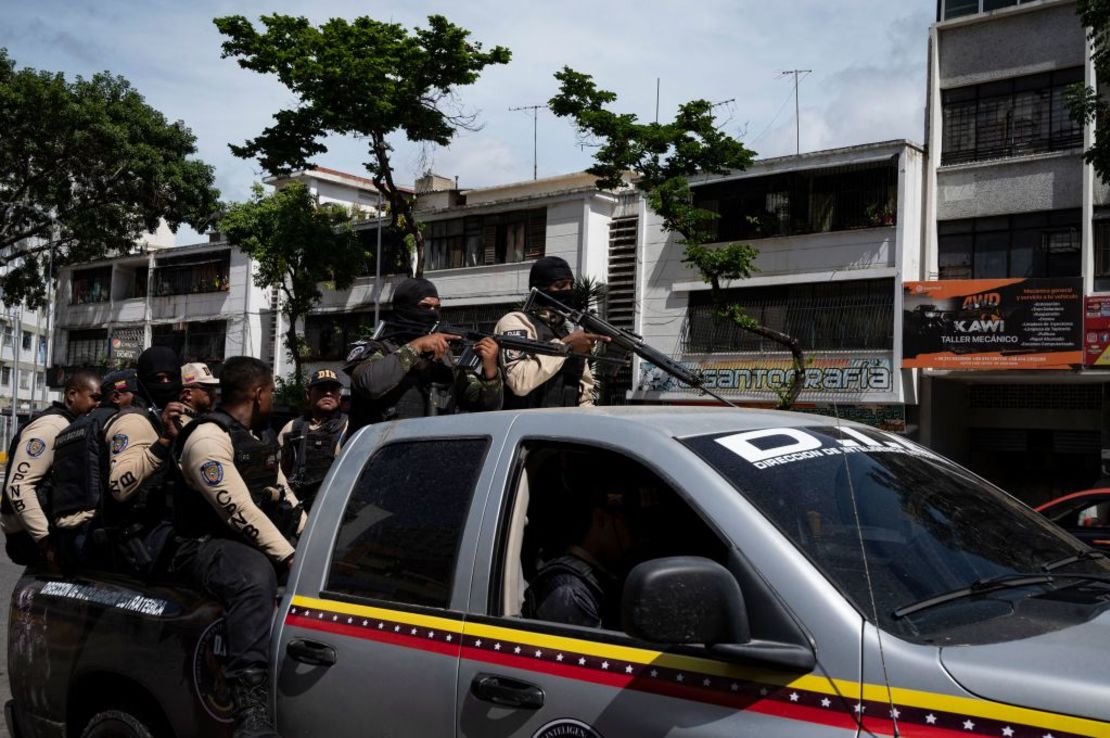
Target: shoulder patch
(119, 443)
(212, 472)
(36, 447)
(356, 353)
(519, 333)
(511, 356)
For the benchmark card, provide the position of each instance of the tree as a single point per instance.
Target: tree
(1084, 102)
(297, 245)
(86, 167)
(363, 78)
(662, 158)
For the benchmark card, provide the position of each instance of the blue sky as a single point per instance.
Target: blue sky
(867, 56)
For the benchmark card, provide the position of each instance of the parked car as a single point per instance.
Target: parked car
(784, 575)
(1085, 514)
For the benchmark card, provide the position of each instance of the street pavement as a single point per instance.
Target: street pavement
(9, 575)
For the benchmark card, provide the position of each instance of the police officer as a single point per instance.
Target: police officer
(118, 389)
(199, 388)
(234, 527)
(310, 443)
(140, 474)
(31, 453)
(548, 381)
(408, 372)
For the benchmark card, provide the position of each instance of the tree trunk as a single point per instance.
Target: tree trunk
(789, 395)
(292, 344)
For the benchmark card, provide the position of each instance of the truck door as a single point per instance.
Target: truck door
(370, 639)
(522, 675)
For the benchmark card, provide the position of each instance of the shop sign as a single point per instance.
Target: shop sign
(127, 344)
(824, 374)
(1096, 330)
(993, 324)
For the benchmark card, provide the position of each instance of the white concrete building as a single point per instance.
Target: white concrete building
(837, 232)
(480, 246)
(199, 299)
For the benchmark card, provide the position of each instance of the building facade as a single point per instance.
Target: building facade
(1009, 197)
(836, 233)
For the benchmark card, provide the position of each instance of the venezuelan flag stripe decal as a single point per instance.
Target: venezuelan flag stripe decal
(808, 698)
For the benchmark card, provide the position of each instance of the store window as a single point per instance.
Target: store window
(1045, 244)
(87, 347)
(198, 341)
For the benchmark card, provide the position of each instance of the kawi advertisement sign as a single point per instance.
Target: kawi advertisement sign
(993, 324)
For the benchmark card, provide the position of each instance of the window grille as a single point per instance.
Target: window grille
(1045, 244)
(1023, 115)
(825, 316)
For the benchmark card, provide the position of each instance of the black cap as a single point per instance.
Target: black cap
(125, 380)
(324, 376)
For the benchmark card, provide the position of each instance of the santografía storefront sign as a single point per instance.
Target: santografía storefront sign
(993, 324)
(830, 376)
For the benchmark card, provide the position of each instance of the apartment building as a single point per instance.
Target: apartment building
(1013, 214)
(480, 246)
(837, 232)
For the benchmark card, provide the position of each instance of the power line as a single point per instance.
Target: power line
(535, 112)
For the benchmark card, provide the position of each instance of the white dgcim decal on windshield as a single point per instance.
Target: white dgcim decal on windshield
(787, 445)
(795, 442)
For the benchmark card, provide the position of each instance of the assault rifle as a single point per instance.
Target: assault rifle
(467, 359)
(621, 339)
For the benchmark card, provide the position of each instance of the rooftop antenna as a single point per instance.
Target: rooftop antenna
(657, 80)
(797, 116)
(534, 110)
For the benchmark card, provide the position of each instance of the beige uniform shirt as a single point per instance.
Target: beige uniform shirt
(31, 462)
(133, 452)
(526, 372)
(208, 465)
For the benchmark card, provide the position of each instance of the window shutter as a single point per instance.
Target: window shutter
(535, 243)
(489, 243)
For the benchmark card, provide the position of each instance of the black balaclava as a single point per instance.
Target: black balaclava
(154, 361)
(407, 308)
(546, 272)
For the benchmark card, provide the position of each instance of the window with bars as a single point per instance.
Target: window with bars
(823, 316)
(91, 285)
(87, 347)
(1101, 235)
(396, 258)
(1024, 115)
(834, 199)
(499, 238)
(197, 341)
(184, 275)
(1045, 244)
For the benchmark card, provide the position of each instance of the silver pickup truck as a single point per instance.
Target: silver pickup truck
(779, 575)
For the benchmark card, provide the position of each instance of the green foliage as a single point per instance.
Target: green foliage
(297, 245)
(1084, 103)
(364, 78)
(661, 157)
(86, 167)
(289, 392)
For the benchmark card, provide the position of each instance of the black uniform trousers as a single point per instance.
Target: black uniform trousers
(243, 581)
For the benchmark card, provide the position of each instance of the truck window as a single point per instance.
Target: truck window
(400, 534)
(588, 515)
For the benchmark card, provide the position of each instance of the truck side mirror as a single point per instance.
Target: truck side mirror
(684, 600)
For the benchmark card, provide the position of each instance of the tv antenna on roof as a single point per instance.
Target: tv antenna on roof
(534, 110)
(797, 116)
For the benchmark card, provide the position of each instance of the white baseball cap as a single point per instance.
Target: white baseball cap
(198, 373)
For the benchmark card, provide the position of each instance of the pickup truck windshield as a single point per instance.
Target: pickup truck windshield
(927, 526)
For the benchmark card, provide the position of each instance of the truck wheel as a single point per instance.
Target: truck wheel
(115, 724)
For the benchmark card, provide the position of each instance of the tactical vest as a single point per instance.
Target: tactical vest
(43, 490)
(428, 389)
(307, 454)
(256, 462)
(561, 390)
(587, 579)
(80, 473)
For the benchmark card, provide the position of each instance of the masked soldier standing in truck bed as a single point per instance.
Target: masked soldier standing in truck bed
(408, 372)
